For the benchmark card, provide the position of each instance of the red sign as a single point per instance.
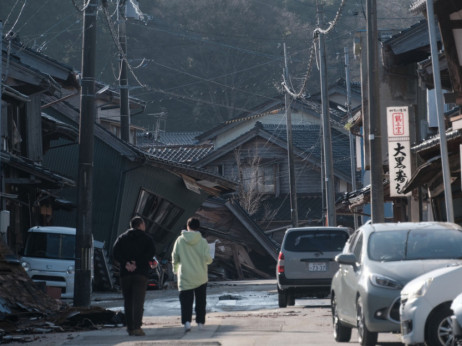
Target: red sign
(398, 124)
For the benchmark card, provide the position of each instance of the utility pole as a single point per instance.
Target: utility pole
(290, 151)
(84, 239)
(1, 139)
(123, 79)
(327, 142)
(375, 136)
(440, 113)
(352, 142)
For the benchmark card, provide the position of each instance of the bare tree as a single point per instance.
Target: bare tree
(249, 193)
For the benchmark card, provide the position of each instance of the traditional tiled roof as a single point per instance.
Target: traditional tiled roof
(277, 105)
(166, 138)
(181, 153)
(418, 6)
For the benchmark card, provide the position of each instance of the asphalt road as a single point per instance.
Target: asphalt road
(239, 313)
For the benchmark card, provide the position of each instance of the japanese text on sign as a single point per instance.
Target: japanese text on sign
(399, 153)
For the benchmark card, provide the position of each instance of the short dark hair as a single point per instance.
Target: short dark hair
(193, 223)
(136, 221)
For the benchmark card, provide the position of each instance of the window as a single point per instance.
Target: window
(358, 247)
(16, 129)
(311, 241)
(159, 214)
(261, 178)
(50, 245)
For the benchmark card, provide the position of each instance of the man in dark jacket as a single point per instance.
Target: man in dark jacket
(134, 249)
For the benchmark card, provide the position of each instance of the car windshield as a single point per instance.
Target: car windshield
(309, 241)
(415, 244)
(50, 245)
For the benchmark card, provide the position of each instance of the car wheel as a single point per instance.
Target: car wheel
(282, 299)
(439, 328)
(365, 337)
(341, 332)
(291, 299)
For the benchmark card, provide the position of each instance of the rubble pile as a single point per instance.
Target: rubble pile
(26, 308)
(18, 293)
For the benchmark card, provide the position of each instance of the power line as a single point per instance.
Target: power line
(7, 35)
(316, 32)
(209, 80)
(200, 38)
(119, 48)
(84, 7)
(11, 12)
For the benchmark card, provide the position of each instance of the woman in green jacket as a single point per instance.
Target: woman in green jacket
(191, 256)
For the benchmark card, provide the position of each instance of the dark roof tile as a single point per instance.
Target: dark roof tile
(181, 153)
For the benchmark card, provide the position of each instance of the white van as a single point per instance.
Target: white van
(49, 256)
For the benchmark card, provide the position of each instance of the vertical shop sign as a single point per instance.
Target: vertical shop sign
(399, 149)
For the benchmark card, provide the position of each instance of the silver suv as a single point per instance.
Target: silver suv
(306, 262)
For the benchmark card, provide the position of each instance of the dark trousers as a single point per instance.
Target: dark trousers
(134, 291)
(187, 300)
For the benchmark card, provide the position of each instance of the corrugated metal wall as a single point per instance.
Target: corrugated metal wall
(106, 177)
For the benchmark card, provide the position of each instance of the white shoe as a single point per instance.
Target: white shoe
(201, 326)
(187, 326)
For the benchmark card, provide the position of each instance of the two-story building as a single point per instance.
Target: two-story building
(252, 148)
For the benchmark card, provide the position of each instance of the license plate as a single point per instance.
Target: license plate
(317, 267)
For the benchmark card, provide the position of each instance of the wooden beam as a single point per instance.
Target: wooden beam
(237, 262)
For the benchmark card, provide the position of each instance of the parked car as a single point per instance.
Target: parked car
(376, 263)
(456, 320)
(306, 263)
(49, 256)
(157, 274)
(426, 306)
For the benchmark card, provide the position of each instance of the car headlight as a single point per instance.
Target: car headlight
(70, 270)
(420, 290)
(385, 282)
(26, 266)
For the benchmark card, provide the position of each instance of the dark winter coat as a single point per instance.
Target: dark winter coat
(134, 245)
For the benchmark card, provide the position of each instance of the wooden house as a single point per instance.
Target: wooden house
(399, 85)
(127, 181)
(28, 187)
(252, 148)
(428, 177)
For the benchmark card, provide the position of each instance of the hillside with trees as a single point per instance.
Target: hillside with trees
(204, 61)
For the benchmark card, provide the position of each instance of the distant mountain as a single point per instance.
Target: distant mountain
(204, 61)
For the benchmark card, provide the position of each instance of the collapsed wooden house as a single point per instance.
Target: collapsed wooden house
(242, 249)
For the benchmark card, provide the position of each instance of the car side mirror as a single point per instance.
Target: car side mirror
(346, 258)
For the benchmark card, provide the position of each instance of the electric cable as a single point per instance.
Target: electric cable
(119, 47)
(11, 12)
(9, 35)
(316, 33)
(84, 7)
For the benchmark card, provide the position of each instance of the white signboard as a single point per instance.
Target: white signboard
(399, 149)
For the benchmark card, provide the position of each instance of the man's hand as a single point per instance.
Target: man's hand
(130, 266)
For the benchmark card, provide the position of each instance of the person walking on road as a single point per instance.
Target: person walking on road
(134, 249)
(190, 258)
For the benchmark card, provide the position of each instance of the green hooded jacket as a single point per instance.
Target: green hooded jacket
(191, 256)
